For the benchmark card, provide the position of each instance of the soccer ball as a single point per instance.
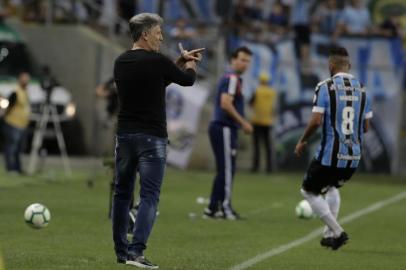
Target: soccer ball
(37, 215)
(304, 210)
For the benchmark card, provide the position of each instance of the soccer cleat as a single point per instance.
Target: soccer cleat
(340, 241)
(327, 242)
(140, 262)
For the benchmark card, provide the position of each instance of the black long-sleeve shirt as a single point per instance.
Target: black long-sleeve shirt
(141, 77)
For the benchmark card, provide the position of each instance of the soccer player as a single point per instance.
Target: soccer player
(342, 105)
(228, 118)
(141, 75)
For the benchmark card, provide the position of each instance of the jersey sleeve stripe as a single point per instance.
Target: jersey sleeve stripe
(317, 109)
(232, 85)
(369, 115)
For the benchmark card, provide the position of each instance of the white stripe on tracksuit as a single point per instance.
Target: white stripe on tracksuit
(228, 171)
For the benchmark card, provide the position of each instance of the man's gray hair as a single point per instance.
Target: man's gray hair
(143, 22)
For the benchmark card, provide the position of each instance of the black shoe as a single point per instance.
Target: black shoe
(121, 260)
(207, 214)
(141, 262)
(327, 242)
(340, 241)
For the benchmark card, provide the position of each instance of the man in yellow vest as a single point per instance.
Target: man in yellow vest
(16, 120)
(263, 104)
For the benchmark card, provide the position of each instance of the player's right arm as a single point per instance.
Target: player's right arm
(226, 104)
(320, 105)
(228, 89)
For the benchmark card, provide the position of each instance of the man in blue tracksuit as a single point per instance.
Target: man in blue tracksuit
(228, 118)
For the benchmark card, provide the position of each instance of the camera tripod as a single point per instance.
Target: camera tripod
(48, 113)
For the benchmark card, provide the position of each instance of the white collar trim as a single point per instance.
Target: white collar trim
(344, 75)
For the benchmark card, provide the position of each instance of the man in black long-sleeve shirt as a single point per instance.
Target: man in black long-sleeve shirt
(141, 75)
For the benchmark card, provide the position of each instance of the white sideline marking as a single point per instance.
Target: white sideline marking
(316, 233)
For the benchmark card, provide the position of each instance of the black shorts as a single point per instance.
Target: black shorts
(319, 177)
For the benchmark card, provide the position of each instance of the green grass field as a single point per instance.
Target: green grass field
(79, 234)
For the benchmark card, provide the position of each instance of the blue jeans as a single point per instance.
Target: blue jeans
(13, 145)
(147, 155)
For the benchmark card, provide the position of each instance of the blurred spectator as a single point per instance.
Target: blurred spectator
(326, 17)
(308, 79)
(263, 103)
(108, 16)
(182, 31)
(391, 27)
(300, 20)
(355, 20)
(240, 17)
(278, 20)
(69, 11)
(256, 11)
(223, 9)
(16, 120)
(126, 8)
(3, 12)
(33, 10)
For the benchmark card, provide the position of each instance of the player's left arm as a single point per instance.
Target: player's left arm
(320, 104)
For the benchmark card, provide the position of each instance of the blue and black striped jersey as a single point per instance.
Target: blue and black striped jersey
(345, 105)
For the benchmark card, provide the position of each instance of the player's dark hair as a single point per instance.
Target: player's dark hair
(338, 51)
(237, 51)
(339, 57)
(143, 22)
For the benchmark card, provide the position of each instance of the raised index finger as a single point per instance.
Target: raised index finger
(197, 50)
(181, 47)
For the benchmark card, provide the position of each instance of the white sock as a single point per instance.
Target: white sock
(333, 199)
(321, 208)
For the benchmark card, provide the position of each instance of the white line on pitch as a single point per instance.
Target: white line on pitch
(316, 233)
(265, 209)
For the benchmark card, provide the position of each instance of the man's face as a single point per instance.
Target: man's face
(24, 79)
(241, 63)
(154, 38)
